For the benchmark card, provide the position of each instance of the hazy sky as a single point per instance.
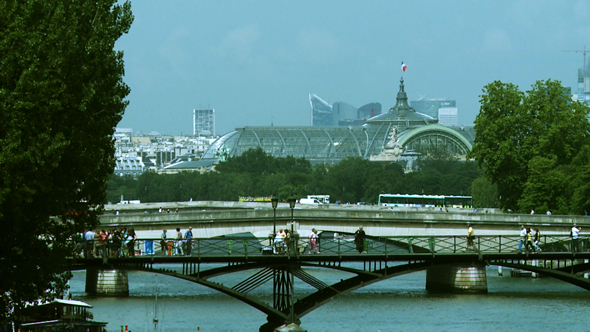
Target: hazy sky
(255, 62)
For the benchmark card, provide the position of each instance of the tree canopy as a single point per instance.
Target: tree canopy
(349, 181)
(526, 143)
(61, 95)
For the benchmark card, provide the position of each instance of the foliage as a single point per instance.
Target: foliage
(484, 193)
(579, 182)
(515, 129)
(121, 186)
(350, 181)
(61, 95)
(256, 161)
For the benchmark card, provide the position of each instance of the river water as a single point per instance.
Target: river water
(397, 304)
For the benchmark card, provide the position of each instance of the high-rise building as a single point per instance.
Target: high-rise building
(584, 83)
(430, 106)
(448, 116)
(204, 122)
(340, 113)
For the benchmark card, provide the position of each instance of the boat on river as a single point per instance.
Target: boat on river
(59, 315)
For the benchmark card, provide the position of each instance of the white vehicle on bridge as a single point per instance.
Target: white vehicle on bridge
(323, 199)
(309, 201)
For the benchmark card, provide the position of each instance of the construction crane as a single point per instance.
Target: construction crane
(583, 52)
(585, 93)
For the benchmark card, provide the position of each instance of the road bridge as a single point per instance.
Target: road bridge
(210, 219)
(448, 266)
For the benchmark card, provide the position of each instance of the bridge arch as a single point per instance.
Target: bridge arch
(326, 293)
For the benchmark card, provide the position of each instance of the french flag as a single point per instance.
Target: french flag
(404, 67)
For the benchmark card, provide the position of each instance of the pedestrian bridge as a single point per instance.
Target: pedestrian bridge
(449, 266)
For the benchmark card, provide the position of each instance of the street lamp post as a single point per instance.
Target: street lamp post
(292, 201)
(275, 202)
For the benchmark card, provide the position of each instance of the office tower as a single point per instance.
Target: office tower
(204, 122)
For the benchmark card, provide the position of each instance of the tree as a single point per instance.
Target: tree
(545, 189)
(485, 194)
(513, 128)
(579, 182)
(61, 95)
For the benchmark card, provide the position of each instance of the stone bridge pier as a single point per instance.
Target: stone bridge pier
(457, 278)
(101, 282)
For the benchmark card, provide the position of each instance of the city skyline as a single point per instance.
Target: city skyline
(256, 62)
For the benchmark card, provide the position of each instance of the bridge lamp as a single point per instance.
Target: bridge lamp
(275, 202)
(292, 200)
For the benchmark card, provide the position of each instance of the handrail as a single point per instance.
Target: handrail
(341, 245)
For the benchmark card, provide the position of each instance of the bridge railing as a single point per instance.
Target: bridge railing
(340, 245)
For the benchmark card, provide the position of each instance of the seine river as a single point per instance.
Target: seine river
(397, 304)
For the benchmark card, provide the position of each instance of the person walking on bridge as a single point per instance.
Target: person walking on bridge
(470, 238)
(164, 243)
(575, 234)
(529, 240)
(522, 238)
(313, 241)
(189, 241)
(359, 240)
(179, 238)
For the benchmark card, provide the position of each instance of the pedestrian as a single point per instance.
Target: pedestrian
(537, 239)
(522, 238)
(115, 244)
(470, 238)
(189, 241)
(102, 242)
(548, 212)
(359, 240)
(178, 249)
(575, 234)
(279, 244)
(164, 243)
(89, 238)
(124, 239)
(131, 238)
(109, 243)
(532, 212)
(313, 241)
(287, 240)
(529, 240)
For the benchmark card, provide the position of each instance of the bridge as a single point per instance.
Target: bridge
(211, 219)
(449, 266)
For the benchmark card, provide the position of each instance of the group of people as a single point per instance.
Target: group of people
(182, 244)
(530, 238)
(112, 244)
(282, 242)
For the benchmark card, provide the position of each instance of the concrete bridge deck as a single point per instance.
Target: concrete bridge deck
(210, 219)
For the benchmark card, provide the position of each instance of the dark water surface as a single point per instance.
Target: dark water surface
(397, 304)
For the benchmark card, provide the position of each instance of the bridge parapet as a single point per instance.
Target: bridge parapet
(258, 218)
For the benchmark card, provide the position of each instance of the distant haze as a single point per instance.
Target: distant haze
(255, 62)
